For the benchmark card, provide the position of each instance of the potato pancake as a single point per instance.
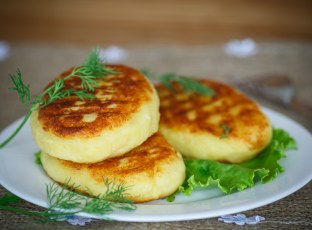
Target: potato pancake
(227, 127)
(123, 114)
(151, 171)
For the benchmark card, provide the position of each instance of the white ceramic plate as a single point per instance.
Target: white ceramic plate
(21, 176)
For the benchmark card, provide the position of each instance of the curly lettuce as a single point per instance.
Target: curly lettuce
(237, 177)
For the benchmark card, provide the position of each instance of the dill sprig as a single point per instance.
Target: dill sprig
(64, 202)
(113, 198)
(188, 85)
(226, 131)
(89, 72)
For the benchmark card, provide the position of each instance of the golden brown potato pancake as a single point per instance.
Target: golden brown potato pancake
(151, 171)
(227, 127)
(124, 113)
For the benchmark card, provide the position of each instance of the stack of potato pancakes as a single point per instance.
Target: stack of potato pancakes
(115, 135)
(111, 137)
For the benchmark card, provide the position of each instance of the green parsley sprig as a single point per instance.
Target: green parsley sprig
(64, 202)
(89, 72)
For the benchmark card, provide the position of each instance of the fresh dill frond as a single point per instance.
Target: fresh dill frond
(226, 131)
(167, 80)
(63, 202)
(8, 202)
(22, 90)
(94, 64)
(188, 84)
(57, 91)
(113, 198)
(65, 199)
(89, 72)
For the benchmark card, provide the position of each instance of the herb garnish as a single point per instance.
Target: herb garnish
(64, 202)
(226, 131)
(188, 84)
(38, 158)
(91, 70)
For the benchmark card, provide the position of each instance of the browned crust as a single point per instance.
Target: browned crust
(235, 110)
(127, 90)
(143, 159)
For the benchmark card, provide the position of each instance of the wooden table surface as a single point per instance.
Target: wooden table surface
(41, 62)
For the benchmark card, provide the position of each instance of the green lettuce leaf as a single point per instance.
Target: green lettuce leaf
(270, 156)
(237, 177)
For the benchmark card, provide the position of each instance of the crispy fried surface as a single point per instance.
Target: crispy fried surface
(205, 117)
(117, 98)
(123, 115)
(152, 170)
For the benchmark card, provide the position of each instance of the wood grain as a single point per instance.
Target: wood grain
(138, 21)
